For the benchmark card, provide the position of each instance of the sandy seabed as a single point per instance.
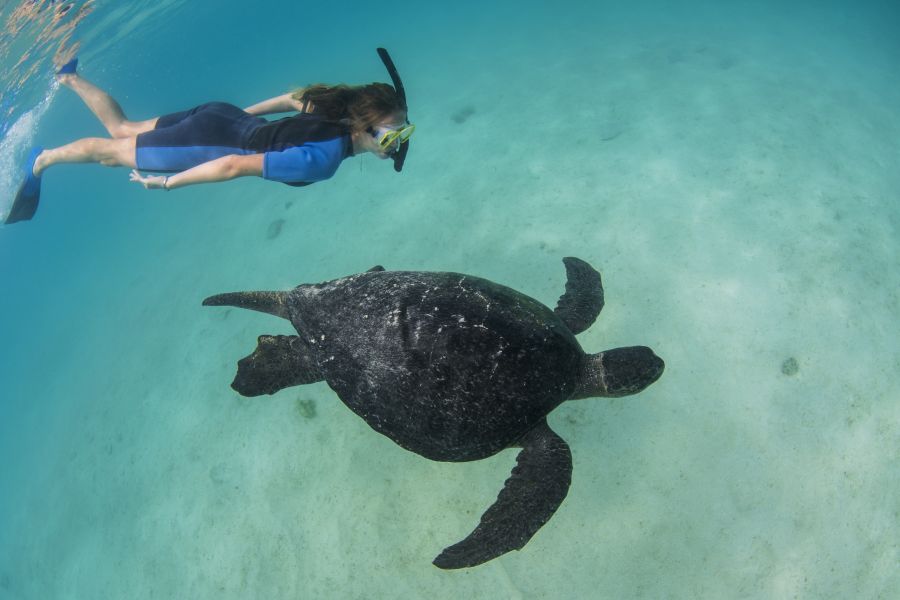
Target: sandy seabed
(737, 194)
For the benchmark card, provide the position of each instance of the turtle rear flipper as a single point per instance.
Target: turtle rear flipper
(538, 485)
(583, 299)
(279, 361)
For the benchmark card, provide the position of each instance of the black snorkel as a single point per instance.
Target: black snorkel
(400, 154)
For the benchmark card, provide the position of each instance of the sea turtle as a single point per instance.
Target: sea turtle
(454, 368)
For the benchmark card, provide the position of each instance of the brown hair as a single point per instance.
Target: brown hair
(361, 106)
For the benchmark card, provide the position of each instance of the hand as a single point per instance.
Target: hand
(151, 182)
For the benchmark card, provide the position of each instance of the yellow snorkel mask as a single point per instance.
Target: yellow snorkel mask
(390, 139)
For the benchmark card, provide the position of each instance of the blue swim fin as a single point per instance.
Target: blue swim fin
(69, 67)
(26, 202)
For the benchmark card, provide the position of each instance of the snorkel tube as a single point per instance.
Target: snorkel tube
(400, 155)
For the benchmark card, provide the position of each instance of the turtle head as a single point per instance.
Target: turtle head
(618, 372)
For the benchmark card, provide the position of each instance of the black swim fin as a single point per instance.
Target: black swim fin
(69, 67)
(29, 194)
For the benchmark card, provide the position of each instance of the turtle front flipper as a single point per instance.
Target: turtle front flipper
(583, 299)
(538, 485)
(279, 361)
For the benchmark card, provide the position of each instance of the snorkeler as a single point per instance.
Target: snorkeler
(218, 141)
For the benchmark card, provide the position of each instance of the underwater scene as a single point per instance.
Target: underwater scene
(435, 429)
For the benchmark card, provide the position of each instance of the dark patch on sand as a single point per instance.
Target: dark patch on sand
(306, 408)
(275, 228)
(790, 366)
(610, 134)
(726, 62)
(675, 56)
(221, 315)
(219, 474)
(463, 114)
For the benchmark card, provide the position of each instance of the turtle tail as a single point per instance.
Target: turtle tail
(273, 303)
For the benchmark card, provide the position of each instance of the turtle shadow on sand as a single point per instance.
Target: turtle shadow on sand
(454, 368)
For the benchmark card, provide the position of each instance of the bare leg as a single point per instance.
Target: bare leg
(105, 107)
(111, 153)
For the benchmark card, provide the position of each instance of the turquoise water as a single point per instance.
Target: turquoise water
(733, 172)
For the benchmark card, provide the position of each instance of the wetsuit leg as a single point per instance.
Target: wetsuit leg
(188, 138)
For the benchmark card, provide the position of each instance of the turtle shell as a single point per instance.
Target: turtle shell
(449, 366)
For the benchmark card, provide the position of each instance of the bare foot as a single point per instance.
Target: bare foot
(39, 165)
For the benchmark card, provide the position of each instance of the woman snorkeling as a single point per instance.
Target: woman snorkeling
(218, 141)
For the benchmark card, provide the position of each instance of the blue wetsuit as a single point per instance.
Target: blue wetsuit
(298, 150)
